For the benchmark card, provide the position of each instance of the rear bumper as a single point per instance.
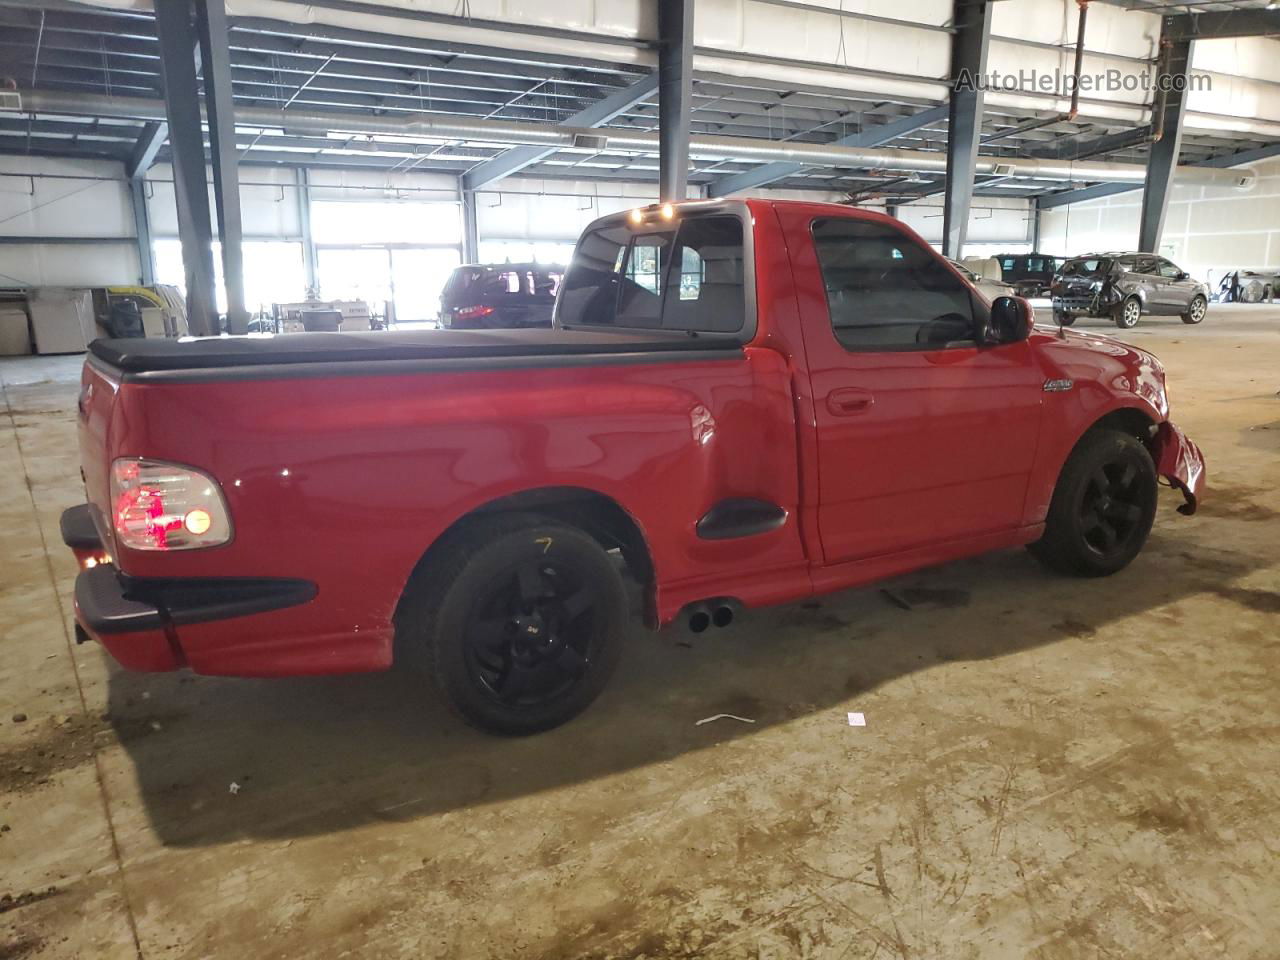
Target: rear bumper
(139, 620)
(1090, 306)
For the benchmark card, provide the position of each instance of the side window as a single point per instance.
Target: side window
(886, 292)
(1168, 270)
(1144, 265)
(706, 285)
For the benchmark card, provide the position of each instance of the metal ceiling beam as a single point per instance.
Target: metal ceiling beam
(1212, 25)
(1167, 114)
(517, 158)
(969, 47)
(871, 137)
(148, 144)
(1244, 156)
(675, 87)
(1095, 192)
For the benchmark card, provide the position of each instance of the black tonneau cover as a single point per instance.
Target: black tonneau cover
(211, 353)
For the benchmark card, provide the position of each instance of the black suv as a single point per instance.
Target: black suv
(1123, 287)
(499, 295)
(1030, 273)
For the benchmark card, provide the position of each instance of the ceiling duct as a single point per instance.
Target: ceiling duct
(706, 147)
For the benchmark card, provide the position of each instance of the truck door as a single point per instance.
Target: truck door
(922, 435)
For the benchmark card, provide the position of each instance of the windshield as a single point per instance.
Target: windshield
(1086, 267)
(689, 276)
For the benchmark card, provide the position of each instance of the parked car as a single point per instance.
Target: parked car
(1030, 273)
(991, 289)
(500, 295)
(1124, 287)
(746, 402)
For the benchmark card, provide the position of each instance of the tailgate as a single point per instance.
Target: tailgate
(97, 399)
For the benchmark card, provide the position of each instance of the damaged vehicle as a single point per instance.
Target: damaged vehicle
(741, 403)
(1124, 287)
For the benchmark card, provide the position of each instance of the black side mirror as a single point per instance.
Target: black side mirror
(1183, 275)
(1011, 320)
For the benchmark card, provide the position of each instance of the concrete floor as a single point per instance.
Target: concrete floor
(1050, 768)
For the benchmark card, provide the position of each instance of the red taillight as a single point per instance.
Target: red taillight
(165, 506)
(473, 313)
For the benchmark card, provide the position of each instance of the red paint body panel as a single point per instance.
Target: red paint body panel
(345, 481)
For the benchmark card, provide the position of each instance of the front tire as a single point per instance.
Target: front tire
(519, 620)
(1196, 309)
(1102, 508)
(1128, 313)
(1064, 319)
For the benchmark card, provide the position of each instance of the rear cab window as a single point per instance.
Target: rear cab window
(691, 274)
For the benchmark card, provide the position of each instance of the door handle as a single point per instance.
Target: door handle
(848, 401)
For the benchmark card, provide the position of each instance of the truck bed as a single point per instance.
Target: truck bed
(140, 357)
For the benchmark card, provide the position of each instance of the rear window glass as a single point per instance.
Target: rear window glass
(1086, 267)
(690, 277)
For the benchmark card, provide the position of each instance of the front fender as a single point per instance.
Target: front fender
(1180, 462)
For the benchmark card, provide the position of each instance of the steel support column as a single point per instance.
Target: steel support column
(186, 140)
(969, 44)
(470, 225)
(1167, 114)
(215, 68)
(675, 95)
(304, 227)
(142, 230)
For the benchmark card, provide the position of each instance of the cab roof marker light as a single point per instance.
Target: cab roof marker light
(636, 215)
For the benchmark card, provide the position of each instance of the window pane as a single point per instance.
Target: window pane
(886, 292)
(639, 297)
(418, 277)
(590, 287)
(706, 292)
(385, 221)
(355, 275)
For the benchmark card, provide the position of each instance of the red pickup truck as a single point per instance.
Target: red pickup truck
(741, 403)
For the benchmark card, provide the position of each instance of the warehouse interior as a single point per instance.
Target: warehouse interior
(1048, 768)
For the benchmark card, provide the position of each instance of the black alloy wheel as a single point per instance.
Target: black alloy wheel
(1111, 509)
(518, 618)
(1102, 507)
(529, 638)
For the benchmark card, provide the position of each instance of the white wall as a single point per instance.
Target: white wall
(40, 197)
(992, 220)
(1207, 230)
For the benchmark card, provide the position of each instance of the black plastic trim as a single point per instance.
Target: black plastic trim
(141, 355)
(78, 529)
(740, 517)
(112, 602)
(364, 368)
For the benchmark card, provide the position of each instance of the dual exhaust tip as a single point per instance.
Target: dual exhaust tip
(710, 613)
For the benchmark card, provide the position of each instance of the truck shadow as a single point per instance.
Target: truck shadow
(313, 756)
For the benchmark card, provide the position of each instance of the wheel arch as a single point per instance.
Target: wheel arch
(599, 515)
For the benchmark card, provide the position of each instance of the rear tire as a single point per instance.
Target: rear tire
(1127, 314)
(1196, 309)
(519, 620)
(1102, 508)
